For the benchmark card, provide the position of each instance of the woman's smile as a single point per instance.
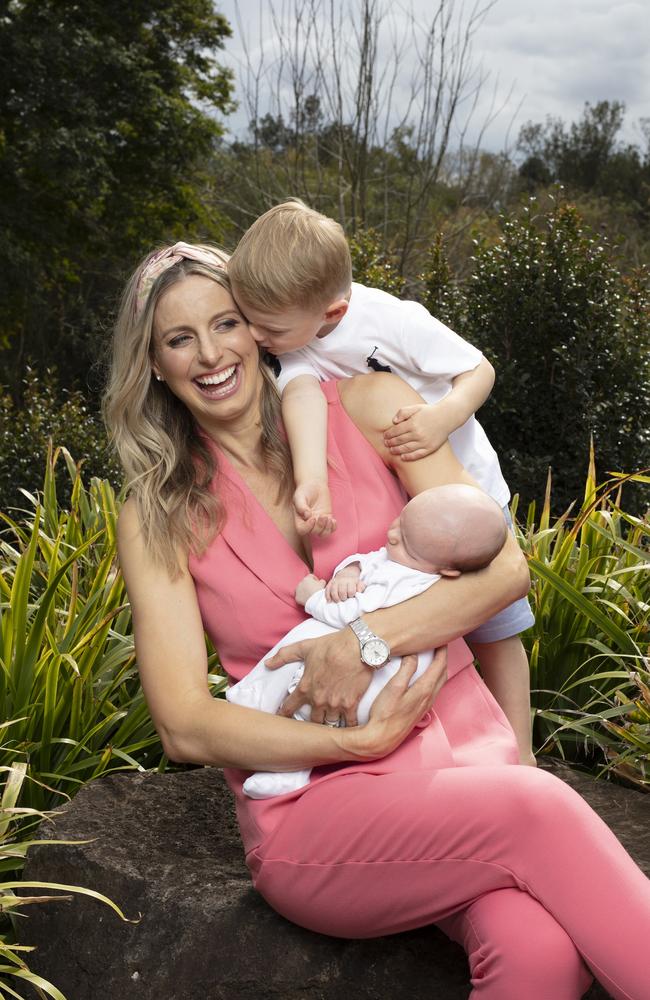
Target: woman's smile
(220, 384)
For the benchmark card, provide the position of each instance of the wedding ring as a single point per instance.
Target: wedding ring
(332, 723)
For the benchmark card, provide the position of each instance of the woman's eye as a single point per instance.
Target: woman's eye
(227, 324)
(179, 341)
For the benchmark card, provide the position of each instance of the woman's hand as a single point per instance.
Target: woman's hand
(334, 678)
(397, 708)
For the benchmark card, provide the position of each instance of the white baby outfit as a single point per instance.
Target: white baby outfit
(404, 337)
(387, 583)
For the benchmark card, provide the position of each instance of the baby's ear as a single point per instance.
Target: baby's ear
(449, 572)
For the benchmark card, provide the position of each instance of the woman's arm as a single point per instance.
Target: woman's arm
(333, 671)
(194, 726)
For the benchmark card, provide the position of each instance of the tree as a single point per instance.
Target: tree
(102, 142)
(587, 156)
(354, 108)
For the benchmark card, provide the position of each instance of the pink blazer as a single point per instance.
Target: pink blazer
(245, 583)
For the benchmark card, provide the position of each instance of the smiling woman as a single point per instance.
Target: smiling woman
(177, 360)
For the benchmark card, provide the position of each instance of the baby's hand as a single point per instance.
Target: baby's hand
(313, 508)
(308, 586)
(346, 583)
(417, 431)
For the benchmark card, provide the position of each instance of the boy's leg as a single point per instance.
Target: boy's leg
(505, 670)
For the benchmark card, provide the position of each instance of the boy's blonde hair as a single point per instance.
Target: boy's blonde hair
(290, 257)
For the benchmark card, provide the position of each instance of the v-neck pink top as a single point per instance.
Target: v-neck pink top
(246, 580)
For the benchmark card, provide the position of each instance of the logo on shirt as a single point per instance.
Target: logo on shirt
(376, 364)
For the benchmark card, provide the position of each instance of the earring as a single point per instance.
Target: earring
(159, 377)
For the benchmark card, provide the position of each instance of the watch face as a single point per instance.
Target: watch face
(375, 652)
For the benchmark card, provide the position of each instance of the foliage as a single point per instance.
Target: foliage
(569, 337)
(14, 823)
(102, 150)
(589, 645)
(371, 265)
(587, 156)
(440, 294)
(48, 412)
(69, 689)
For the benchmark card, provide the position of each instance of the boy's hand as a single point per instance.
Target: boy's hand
(313, 508)
(308, 586)
(418, 431)
(346, 583)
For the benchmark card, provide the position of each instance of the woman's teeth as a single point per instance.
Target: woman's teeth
(219, 383)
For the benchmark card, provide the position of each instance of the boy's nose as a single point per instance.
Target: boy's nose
(255, 333)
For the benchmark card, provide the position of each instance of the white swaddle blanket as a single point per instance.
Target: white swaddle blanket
(387, 583)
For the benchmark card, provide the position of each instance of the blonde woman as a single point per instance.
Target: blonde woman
(421, 815)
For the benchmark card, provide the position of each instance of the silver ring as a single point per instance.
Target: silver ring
(332, 723)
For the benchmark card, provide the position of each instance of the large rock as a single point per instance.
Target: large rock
(167, 846)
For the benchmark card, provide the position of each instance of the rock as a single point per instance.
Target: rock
(167, 846)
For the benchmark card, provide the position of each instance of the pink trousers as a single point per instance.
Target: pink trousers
(509, 861)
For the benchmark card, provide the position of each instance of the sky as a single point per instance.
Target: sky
(546, 57)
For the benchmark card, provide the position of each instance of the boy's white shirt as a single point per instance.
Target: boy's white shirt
(387, 583)
(418, 348)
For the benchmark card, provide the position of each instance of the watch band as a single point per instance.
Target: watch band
(362, 631)
(374, 651)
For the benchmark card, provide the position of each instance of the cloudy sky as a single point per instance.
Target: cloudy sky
(542, 57)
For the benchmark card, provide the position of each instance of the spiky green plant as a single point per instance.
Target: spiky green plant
(589, 645)
(69, 690)
(12, 853)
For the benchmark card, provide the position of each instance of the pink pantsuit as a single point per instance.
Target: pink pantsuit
(447, 829)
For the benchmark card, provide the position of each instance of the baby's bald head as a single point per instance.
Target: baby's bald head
(449, 530)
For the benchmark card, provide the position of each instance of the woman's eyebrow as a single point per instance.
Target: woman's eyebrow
(173, 329)
(188, 326)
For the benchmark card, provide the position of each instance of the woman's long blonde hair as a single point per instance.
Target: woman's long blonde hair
(169, 467)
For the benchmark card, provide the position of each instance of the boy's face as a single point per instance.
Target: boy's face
(289, 329)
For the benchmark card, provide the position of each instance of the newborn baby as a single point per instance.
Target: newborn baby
(444, 531)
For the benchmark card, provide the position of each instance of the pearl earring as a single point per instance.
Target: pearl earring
(160, 378)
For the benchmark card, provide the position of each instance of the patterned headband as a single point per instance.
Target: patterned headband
(164, 259)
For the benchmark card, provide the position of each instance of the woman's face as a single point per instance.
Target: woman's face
(204, 351)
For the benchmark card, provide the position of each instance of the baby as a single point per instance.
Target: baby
(291, 276)
(444, 531)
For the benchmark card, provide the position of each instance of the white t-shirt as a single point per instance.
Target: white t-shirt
(407, 339)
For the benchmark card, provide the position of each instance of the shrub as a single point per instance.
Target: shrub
(569, 337)
(588, 649)
(48, 411)
(372, 265)
(70, 697)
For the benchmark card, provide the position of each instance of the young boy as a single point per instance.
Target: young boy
(443, 531)
(291, 275)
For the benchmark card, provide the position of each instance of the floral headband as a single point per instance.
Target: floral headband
(164, 259)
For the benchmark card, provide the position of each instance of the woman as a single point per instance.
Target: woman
(416, 817)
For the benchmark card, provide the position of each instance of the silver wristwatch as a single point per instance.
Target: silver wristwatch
(374, 651)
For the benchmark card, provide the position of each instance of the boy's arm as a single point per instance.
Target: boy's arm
(419, 430)
(304, 412)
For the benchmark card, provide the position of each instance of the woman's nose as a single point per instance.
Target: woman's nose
(210, 350)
